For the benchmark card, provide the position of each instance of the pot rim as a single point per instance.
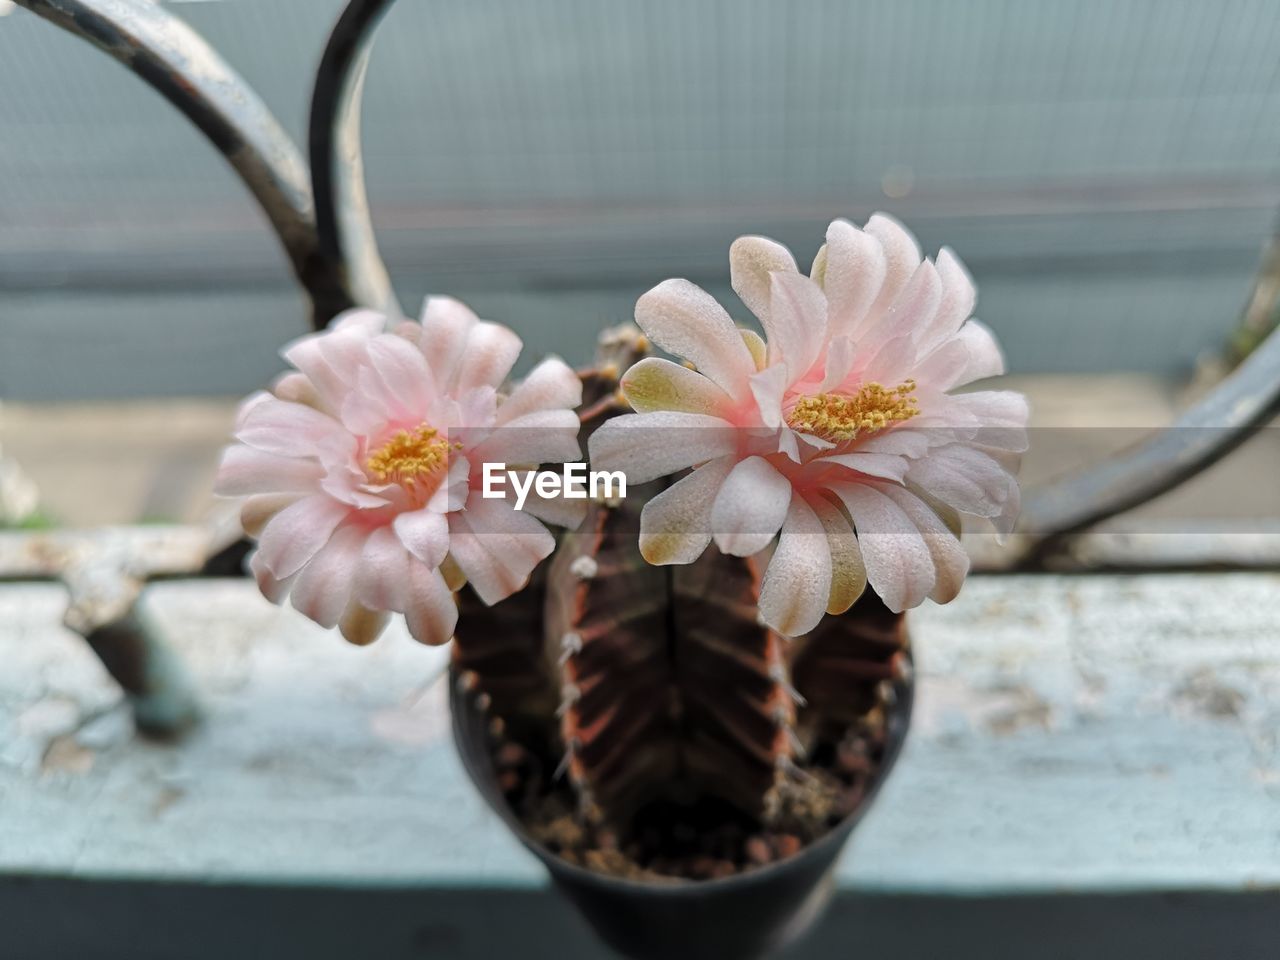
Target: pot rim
(827, 846)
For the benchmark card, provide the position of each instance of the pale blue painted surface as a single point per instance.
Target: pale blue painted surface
(1093, 768)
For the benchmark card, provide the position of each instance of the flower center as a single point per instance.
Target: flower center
(837, 417)
(410, 455)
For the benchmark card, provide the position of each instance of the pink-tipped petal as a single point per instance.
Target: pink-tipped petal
(646, 446)
(675, 526)
(751, 261)
(899, 565)
(797, 582)
(655, 384)
(750, 507)
(685, 320)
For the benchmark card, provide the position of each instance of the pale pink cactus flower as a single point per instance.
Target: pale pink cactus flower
(838, 429)
(363, 469)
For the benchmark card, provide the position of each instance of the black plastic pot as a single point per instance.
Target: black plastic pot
(751, 915)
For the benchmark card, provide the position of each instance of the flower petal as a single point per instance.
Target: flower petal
(382, 579)
(884, 465)
(655, 384)
(275, 589)
(324, 585)
(646, 446)
(902, 256)
(446, 325)
(751, 261)
(549, 385)
(496, 547)
(245, 471)
(360, 625)
(965, 479)
(852, 273)
(750, 507)
(431, 613)
(545, 436)
(797, 323)
(425, 534)
(769, 387)
(913, 309)
(797, 582)
(293, 430)
(675, 526)
(949, 558)
(295, 534)
(848, 573)
(492, 350)
(898, 562)
(972, 354)
(685, 320)
(958, 298)
(256, 511)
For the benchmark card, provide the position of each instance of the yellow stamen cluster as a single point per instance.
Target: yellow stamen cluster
(410, 455)
(837, 417)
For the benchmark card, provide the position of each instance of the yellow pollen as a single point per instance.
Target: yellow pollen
(837, 417)
(410, 455)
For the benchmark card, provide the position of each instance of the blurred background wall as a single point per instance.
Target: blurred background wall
(1109, 170)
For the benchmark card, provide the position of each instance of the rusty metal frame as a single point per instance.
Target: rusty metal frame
(322, 220)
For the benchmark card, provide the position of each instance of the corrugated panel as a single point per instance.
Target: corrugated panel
(1107, 167)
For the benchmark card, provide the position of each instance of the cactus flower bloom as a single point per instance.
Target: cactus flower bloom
(837, 430)
(362, 469)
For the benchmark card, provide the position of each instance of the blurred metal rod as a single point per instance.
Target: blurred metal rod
(1215, 426)
(178, 63)
(343, 221)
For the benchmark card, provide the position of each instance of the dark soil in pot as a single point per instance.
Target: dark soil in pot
(689, 876)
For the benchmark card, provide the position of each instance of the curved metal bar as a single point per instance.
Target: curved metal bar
(178, 63)
(1223, 420)
(343, 221)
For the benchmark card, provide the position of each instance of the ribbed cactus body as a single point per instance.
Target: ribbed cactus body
(642, 683)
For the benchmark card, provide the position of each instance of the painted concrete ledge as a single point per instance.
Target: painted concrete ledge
(1094, 769)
